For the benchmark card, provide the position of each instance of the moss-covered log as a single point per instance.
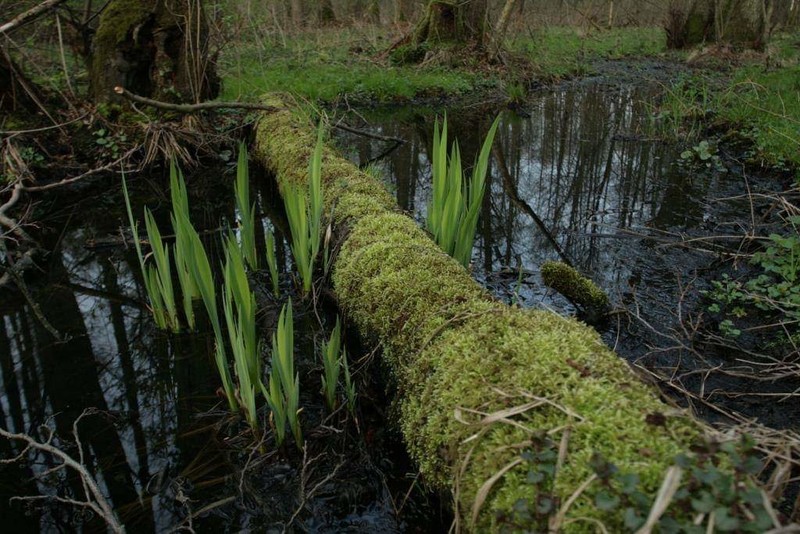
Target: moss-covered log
(479, 381)
(578, 289)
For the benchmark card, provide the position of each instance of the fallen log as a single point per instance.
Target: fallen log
(499, 404)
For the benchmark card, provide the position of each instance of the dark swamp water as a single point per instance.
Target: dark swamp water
(578, 176)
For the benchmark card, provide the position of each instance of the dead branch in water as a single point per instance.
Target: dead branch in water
(94, 499)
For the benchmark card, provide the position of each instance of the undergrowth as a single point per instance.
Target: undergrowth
(563, 51)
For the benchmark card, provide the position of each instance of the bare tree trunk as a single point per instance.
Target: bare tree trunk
(155, 48)
(501, 26)
(297, 13)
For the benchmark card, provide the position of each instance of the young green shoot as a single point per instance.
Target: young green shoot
(455, 206)
(203, 277)
(349, 385)
(304, 212)
(150, 278)
(239, 306)
(272, 263)
(277, 405)
(284, 392)
(332, 363)
(183, 250)
(161, 275)
(247, 223)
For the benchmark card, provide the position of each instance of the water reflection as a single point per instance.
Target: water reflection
(159, 451)
(566, 181)
(146, 390)
(582, 178)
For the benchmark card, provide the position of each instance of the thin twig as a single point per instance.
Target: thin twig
(68, 181)
(363, 133)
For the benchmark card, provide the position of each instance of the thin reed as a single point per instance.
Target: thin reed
(349, 385)
(272, 263)
(455, 206)
(184, 253)
(159, 293)
(204, 279)
(247, 218)
(239, 306)
(161, 274)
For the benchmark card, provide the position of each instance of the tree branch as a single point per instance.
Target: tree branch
(371, 135)
(203, 106)
(190, 108)
(30, 15)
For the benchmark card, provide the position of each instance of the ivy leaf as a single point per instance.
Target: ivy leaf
(545, 505)
(668, 525)
(606, 501)
(704, 503)
(763, 520)
(535, 477)
(752, 496)
(750, 465)
(521, 506)
(725, 522)
(707, 476)
(632, 519)
(628, 482)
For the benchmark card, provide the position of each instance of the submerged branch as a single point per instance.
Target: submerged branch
(513, 195)
(371, 135)
(95, 500)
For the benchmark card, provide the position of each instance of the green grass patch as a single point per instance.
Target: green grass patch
(766, 105)
(760, 100)
(564, 51)
(330, 66)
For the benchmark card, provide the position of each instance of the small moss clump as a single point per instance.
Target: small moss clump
(477, 380)
(574, 286)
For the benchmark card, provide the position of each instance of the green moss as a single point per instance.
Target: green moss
(458, 355)
(491, 362)
(118, 20)
(573, 285)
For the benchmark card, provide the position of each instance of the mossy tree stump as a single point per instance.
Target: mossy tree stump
(444, 24)
(479, 381)
(153, 48)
